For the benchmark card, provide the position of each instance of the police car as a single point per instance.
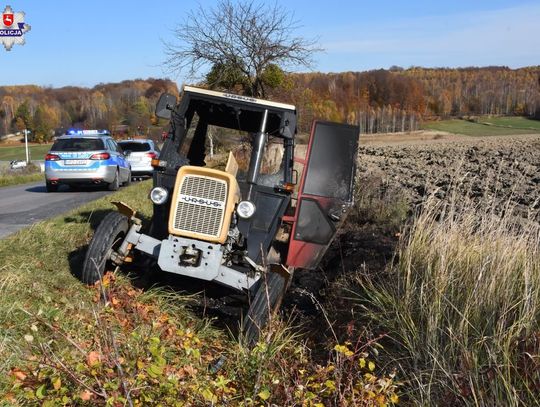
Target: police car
(86, 157)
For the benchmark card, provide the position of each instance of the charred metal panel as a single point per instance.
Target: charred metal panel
(313, 224)
(330, 167)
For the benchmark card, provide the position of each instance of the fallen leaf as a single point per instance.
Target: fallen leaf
(264, 394)
(93, 358)
(85, 395)
(19, 375)
(40, 392)
(57, 383)
(190, 370)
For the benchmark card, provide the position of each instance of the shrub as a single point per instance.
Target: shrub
(145, 349)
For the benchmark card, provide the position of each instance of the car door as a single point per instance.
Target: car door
(325, 192)
(120, 160)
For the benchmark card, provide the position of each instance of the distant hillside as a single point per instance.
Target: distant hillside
(379, 101)
(127, 105)
(397, 99)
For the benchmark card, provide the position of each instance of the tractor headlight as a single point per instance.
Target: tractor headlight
(159, 195)
(245, 209)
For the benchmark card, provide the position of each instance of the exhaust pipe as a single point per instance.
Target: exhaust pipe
(257, 154)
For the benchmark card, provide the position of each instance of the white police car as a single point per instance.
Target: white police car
(86, 157)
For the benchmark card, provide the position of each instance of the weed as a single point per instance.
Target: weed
(462, 305)
(30, 173)
(377, 203)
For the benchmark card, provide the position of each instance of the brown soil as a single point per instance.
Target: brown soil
(504, 168)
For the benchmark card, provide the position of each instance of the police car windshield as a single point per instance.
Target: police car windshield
(78, 144)
(134, 146)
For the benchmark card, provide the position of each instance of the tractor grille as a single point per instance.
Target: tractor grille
(200, 206)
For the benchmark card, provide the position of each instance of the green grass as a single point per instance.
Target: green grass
(30, 173)
(9, 180)
(61, 345)
(35, 267)
(514, 125)
(514, 122)
(37, 152)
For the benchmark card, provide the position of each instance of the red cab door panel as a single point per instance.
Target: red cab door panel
(325, 193)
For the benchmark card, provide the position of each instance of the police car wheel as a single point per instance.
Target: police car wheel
(50, 187)
(113, 186)
(128, 180)
(108, 236)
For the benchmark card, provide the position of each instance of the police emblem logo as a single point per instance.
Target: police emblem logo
(7, 19)
(13, 28)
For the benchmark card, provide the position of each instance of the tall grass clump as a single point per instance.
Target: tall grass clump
(30, 173)
(461, 304)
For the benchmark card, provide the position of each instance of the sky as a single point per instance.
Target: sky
(82, 43)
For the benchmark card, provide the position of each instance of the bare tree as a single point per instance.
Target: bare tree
(244, 37)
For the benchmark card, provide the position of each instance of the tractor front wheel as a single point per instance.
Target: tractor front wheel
(108, 237)
(265, 303)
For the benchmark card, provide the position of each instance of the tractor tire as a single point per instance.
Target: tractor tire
(113, 186)
(266, 301)
(108, 237)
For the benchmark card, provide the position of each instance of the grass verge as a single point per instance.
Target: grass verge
(30, 173)
(492, 127)
(36, 152)
(461, 305)
(61, 344)
(8, 180)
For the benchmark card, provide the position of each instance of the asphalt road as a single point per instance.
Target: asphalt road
(23, 205)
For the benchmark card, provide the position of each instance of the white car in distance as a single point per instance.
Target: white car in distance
(140, 153)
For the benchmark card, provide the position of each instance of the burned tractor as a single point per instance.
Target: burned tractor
(248, 226)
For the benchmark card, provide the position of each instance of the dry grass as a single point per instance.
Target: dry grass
(462, 306)
(30, 173)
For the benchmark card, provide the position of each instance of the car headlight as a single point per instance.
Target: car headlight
(245, 209)
(159, 195)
